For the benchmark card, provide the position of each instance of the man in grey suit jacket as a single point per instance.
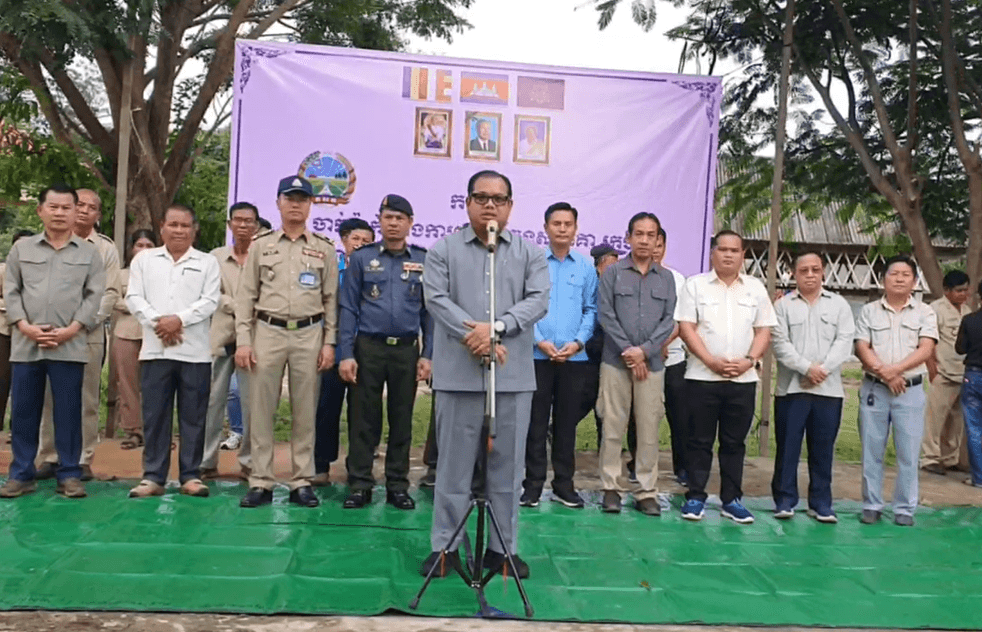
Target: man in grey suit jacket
(456, 287)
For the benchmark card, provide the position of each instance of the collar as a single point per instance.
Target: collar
(43, 236)
(627, 263)
(306, 235)
(163, 252)
(823, 293)
(714, 278)
(571, 255)
(470, 235)
(392, 253)
(908, 304)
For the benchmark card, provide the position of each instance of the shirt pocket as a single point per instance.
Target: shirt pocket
(827, 327)
(910, 333)
(271, 268)
(73, 274)
(879, 335)
(374, 286)
(313, 267)
(744, 312)
(709, 314)
(796, 325)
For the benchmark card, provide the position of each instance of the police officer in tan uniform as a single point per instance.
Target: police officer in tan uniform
(286, 315)
(88, 214)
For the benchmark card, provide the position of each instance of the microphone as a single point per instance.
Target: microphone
(492, 235)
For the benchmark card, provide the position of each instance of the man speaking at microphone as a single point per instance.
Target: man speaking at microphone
(456, 287)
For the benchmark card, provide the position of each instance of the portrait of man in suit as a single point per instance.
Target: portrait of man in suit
(484, 135)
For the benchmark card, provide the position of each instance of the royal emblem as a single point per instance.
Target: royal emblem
(331, 175)
(374, 264)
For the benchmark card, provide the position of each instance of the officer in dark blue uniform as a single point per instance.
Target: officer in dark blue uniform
(381, 317)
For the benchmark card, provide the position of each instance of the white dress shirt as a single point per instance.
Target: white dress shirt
(188, 288)
(676, 349)
(725, 319)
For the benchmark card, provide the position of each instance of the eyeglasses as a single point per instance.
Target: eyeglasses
(484, 198)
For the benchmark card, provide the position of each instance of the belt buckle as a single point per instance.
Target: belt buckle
(291, 325)
(392, 341)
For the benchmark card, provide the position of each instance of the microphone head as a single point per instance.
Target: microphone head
(493, 226)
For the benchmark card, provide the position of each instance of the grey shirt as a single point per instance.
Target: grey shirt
(812, 333)
(456, 286)
(636, 311)
(54, 287)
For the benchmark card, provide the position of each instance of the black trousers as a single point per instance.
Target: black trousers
(430, 451)
(677, 412)
(559, 391)
(382, 366)
(161, 381)
(328, 419)
(726, 407)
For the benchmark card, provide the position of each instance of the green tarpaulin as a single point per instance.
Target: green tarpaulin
(108, 552)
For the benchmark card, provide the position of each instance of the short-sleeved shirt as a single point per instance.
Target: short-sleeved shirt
(382, 295)
(45, 286)
(725, 318)
(288, 279)
(127, 327)
(951, 364)
(812, 333)
(223, 320)
(676, 348)
(893, 334)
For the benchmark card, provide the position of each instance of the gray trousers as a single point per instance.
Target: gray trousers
(221, 374)
(459, 416)
(161, 381)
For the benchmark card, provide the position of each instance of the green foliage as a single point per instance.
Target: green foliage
(205, 189)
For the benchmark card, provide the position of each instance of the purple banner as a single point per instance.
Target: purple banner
(362, 124)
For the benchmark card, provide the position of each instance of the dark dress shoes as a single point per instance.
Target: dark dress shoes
(358, 499)
(255, 497)
(494, 562)
(400, 500)
(304, 496)
(443, 567)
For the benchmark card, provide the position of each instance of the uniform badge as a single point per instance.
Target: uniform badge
(375, 292)
(412, 266)
(374, 264)
(307, 279)
(310, 252)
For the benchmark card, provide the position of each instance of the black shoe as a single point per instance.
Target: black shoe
(47, 470)
(935, 468)
(400, 500)
(429, 480)
(568, 497)
(304, 496)
(870, 516)
(494, 561)
(450, 563)
(649, 506)
(255, 497)
(86, 473)
(529, 498)
(358, 499)
(611, 502)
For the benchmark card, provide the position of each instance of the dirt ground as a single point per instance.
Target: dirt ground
(111, 462)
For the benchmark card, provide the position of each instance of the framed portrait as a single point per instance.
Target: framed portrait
(482, 140)
(433, 131)
(532, 139)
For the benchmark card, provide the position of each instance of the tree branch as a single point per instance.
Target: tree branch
(912, 85)
(97, 133)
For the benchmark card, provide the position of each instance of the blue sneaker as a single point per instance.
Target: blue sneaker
(783, 511)
(824, 514)
(694, 510)
(735, 511)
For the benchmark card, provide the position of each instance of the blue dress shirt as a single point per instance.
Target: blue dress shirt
(572, 313)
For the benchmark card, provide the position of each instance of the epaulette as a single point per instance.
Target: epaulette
(325, 238)
(265, 233)
(363, 246)
(419, 248)
(109, 239)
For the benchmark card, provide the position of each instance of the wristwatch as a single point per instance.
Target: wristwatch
(500, 327)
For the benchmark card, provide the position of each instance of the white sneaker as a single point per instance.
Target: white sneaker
(233, 442)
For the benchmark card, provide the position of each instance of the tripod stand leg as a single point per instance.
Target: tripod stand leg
(511, 564)
(443, 554)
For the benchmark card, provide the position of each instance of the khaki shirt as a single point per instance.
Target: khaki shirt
(110, 258)
(53, 287)
(951, 364)
(223, 320)
(895, 335)
(126, 326)
(4, 325)
(270, 283)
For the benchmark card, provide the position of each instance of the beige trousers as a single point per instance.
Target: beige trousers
(91, 384)
(618, 391)
(276, 349)
(944, 425)
(126, 359)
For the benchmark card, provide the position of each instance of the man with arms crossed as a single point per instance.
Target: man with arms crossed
(725, 320)
(455, 285)
(812, 338)
(895, 336)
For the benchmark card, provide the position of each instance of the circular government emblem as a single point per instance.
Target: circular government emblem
(332, 176)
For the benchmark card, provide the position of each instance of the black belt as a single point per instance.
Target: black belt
(394, 341)
(910, 381)
(289, 324)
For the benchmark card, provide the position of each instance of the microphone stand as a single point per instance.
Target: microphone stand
(472, 571)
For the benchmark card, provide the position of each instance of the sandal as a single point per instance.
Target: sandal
(133, 440)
